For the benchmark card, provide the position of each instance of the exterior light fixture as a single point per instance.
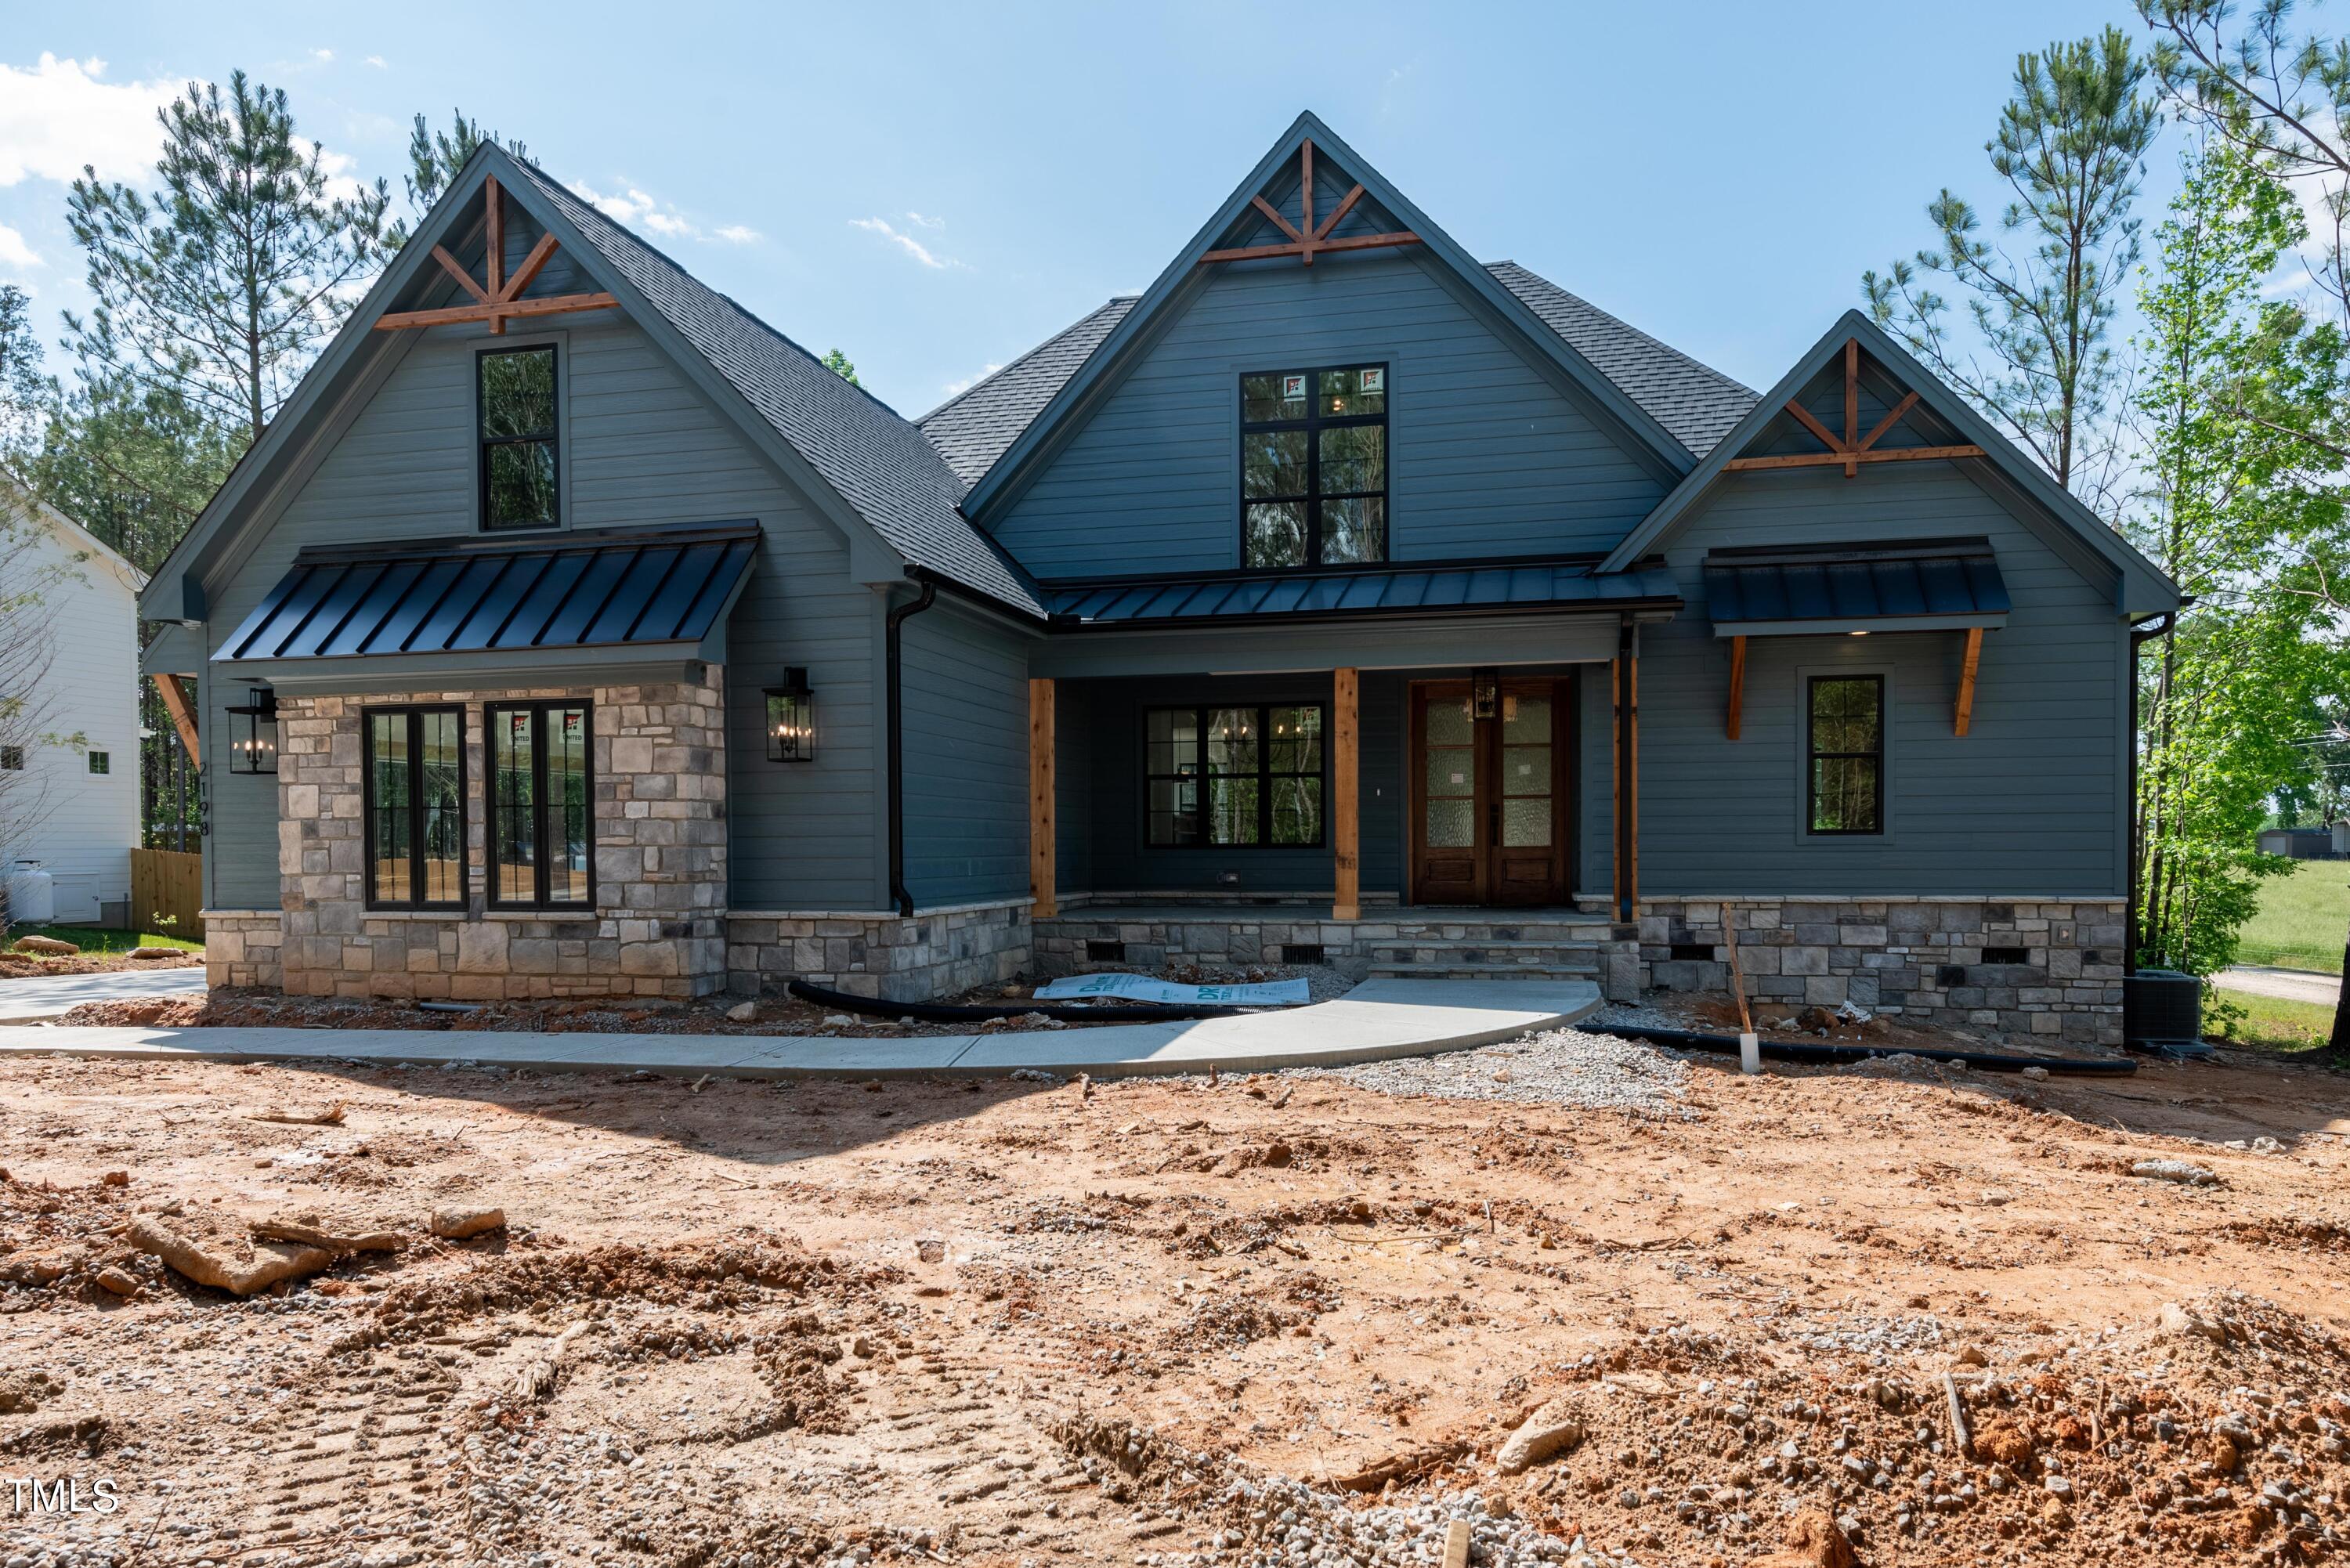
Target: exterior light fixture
(1485, 687)
(791, 719)
(253, 733)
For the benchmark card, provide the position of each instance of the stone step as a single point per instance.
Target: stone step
(1461, 971)
(1511, 952)
(1496, 931)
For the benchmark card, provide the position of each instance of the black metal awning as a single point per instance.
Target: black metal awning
(635, 587)
(1925, 586)
(1433, 589)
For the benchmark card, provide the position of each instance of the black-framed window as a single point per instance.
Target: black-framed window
(541, 799)
(521, 461)
(1235, 775)
(413, 764)
(12, 759)
(1847, 743)
(1314, 467)
(101, 762)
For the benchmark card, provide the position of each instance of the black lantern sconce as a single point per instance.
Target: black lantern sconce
(791, 719)
(1484, 687)
(253, 733)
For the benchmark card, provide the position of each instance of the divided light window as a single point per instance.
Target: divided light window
(515, 391)
(1846, 728)
(415, 803)
(1314, 467)
(542, 836)
(1234, 775)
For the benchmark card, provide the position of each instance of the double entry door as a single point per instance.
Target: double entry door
(1490, 813)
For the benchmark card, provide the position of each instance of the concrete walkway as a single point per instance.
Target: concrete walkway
(53, 995)
(2290, 984)
(1377, 1019)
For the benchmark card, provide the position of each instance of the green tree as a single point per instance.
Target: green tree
(434, 159)
(25, 391)
(2071, 148)
(132, 462)
(2247, 520)
(220, 285)
(837, 363)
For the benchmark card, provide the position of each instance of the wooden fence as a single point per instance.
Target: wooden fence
(168, 882)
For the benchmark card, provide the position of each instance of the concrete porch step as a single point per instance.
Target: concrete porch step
(1487, 932)
(1511, 950)
(1565, 969)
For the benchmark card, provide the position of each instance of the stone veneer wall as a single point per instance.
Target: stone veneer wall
(240, 948)
(1920, 959)
(917, 958)
(659, 834)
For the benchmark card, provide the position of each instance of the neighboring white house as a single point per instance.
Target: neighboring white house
(80, 800)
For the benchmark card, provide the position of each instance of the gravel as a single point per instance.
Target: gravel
(1556, 1067)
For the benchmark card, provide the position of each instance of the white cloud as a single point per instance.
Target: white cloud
(955, 389)
(14, 251)
(920, 221)
(639, 210)
(377, 61)
(906, 241)
(324, 57)
(737, 234)
(59, 115)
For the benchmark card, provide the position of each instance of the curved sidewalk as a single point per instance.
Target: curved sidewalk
(1378, 1017)
(36, 997)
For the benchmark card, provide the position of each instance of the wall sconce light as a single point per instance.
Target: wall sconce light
(1484, 687)
(791, 719)
(253, 733)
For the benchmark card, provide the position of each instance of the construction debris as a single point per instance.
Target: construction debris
(267, 1263)
(464, 1224)
(332, 1117)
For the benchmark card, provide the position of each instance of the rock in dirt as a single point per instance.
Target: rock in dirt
(270, 1263)
(155, 953)
(743, 1012)
(1551, 1430)
(2178, 1322)
(120, 1282)
(459, 1224)
(48, 947)
(2185, 1172)
(1814, 1539)
(21, 1392)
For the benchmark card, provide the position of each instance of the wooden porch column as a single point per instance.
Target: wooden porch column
(1625, 674)
(1346, 793)
(1965, 714)
(1041, 824)
(183, 716)
(1737, 683)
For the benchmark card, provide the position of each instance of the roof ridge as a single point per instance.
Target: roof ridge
(1013, 364)
(1647, 338)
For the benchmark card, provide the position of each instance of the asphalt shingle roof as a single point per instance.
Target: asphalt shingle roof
(878, 462)
(1696, 404)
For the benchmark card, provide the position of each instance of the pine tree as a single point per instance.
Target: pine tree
(837, 363)
(2071, 148)
(434, 157)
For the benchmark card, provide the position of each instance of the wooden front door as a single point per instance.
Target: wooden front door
(1490, 806)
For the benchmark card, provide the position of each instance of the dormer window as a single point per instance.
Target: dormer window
(520, 463)
(1314, 467)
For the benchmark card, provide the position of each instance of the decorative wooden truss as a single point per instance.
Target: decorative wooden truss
(1308, 239)
(1854, 449)
(500, 299)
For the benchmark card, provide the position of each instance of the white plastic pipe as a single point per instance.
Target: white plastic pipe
(1750, 1052)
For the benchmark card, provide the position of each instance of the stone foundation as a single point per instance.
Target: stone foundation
(1922, 960)
(939, 952)
(242, 948)
(658, 926)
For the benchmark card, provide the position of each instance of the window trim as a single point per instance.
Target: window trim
(1812, 755)
(554, 344)
(414, 714)
(1265, 774)
(1312, 424)
(98, 761)
(538, 709)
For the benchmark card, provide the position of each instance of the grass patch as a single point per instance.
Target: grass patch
(90, 940)
(2265, 1023)
(2302, 918)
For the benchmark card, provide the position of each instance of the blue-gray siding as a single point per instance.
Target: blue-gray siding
(1488, 456)
(965, 684)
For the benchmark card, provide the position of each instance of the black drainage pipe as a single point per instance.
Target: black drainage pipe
(1850, 1055)
(974, 1012)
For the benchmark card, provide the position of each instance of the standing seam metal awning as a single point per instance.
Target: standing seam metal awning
(1397, 590)
(622, 587)
(1943, 583)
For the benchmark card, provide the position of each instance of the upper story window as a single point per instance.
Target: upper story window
(1314, 467)
(1846, 731)
(520, 460)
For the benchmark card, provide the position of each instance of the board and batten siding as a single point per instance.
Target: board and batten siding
(640, 446)
(1488, 455)
(2029, 802)
(963, 681)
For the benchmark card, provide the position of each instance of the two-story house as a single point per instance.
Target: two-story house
(1339, 598)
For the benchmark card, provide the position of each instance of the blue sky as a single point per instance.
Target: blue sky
(934, 187)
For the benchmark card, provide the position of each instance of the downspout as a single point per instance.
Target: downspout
(892, 657)
(2139, 637)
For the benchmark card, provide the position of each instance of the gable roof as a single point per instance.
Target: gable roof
(74, 534)
(2141, 589)
(864, 466)
(1236, 219)
(971, 428)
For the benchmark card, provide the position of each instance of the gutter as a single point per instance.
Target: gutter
(2138, 637)
(892, 640)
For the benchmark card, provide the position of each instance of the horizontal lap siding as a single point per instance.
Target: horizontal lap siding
(2029, 801)
(640, 446)
(965, 682)
(1488, 457)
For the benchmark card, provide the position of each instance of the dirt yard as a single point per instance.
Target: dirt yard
(1287, 1320)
